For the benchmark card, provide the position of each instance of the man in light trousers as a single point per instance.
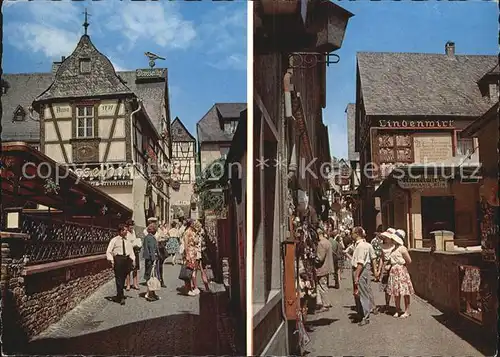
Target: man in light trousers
(362, 259)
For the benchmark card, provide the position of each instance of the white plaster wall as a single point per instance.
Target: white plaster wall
(122, 194)
(104, 128)
(54, 152)
(119, 128)
(139, 189)
(50, 132)
(117, 151)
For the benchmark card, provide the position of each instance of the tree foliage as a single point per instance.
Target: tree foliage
(210, 179)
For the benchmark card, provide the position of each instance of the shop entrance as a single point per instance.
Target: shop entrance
(438, 213)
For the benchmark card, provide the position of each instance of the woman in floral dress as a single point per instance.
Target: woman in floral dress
(173, 242)
(191, 245)
(399, 282)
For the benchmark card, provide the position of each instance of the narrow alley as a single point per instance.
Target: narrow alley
(425, 333)
(172, 325)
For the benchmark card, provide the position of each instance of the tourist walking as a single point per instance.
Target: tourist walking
(323, 269)
(377, 246)
(399, 283)
(150, 255)
(173, 242)
(161, 238)
(384, 265)
(363, 258)
(122, 258)
(190, 240)
(200, 248)
(136, 246)
(336, 254)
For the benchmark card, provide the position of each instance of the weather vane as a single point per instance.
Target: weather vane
(86, 23)
(152, 58)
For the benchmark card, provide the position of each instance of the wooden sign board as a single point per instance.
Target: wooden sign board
(422, 183)
(150, 73)
(432, 147)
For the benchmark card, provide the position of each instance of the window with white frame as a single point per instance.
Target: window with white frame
(85, 121)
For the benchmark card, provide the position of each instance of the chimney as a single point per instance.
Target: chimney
(55, 67)
(63, 58)
(450, 48)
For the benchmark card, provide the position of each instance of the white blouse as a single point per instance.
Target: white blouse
(396, 256)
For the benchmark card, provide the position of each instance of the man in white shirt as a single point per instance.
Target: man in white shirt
(122, 258)
(136, 245)
(362, 259)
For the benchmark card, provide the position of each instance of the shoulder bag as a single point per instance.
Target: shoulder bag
(153, 282)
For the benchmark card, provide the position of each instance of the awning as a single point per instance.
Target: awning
(30, 176)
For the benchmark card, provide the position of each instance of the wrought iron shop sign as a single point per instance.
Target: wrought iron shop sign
(415, 124)
(422, 183)
(106, 174)
(150, 73)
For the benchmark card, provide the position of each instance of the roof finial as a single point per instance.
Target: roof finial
(86, 23)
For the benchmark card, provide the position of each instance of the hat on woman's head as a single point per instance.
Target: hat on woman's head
(399, 236)
(388, 233)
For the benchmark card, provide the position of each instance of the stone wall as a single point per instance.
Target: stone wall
(435, 278)
(36, 297)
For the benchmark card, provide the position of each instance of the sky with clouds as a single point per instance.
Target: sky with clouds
(204, 44)
(403, 26)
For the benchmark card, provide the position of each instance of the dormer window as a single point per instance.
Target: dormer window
(84, 65)
(19, 114)
(230, 127)
(5, 86)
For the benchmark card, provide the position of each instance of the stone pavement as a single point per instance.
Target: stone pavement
(169, 326)
(422, 334)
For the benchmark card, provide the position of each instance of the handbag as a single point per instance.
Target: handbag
(153, 282)
(186, 273)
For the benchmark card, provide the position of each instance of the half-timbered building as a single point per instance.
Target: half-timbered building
(111, 128)
(183, 171)
(410, 109)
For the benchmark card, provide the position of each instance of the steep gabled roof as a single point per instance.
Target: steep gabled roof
(180, 132)
(21, 90)
(70, 83)
(209, 128)
(423, 84)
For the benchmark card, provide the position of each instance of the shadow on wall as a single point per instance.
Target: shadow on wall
(13, 334)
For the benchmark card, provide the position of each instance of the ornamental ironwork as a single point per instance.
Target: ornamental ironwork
(52, 240)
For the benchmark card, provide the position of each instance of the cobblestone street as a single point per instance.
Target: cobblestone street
(169, 326)
(425, 333)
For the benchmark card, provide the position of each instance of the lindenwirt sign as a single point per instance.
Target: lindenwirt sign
(416, 124)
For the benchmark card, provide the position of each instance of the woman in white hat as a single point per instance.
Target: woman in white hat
(399, 282)
(384, 265)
